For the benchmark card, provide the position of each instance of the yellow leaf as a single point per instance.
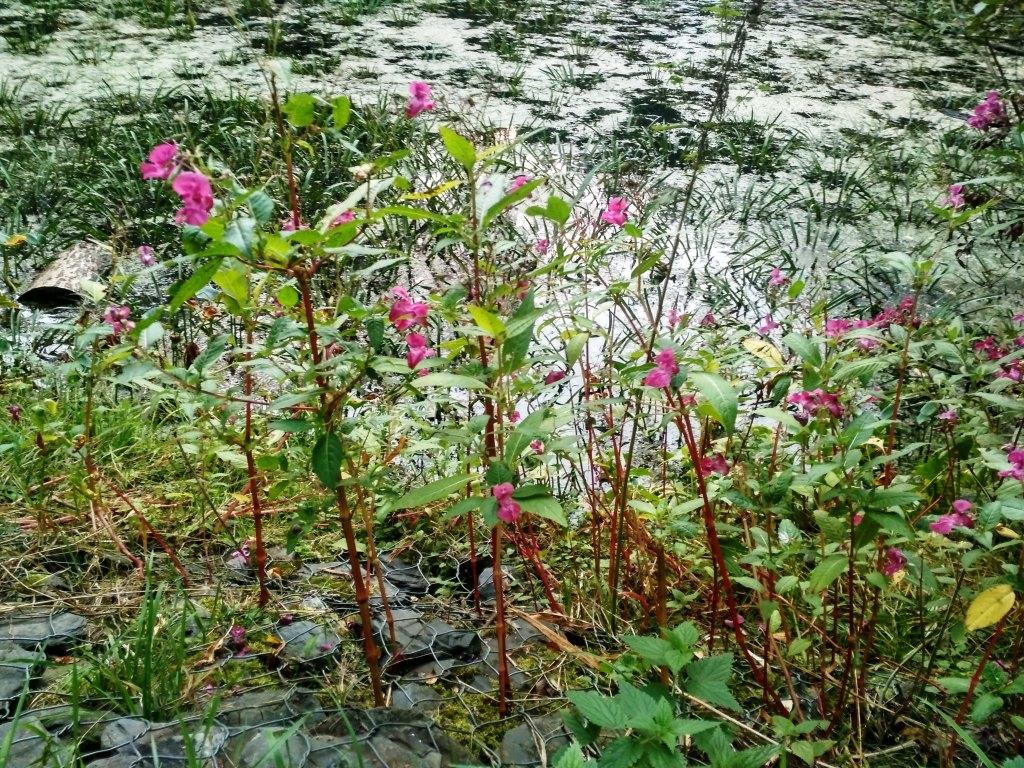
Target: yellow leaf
(989, 607)
(438, 190)
(765, 350)
(15, 240)
(1007, 533)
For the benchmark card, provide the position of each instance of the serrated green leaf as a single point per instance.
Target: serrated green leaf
(708, 679)
(599, 710)
(720, 395)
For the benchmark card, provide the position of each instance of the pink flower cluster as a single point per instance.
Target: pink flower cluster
(508, 510)
(519, 181)
(117, 319)
(192, 187)
(715, 463)
(405, 314)
(812, 402)
(767, 325)
(1016, 458)
(665, 368)
(343, 218)
(146, 256)
(955, 197)
(959, 518)
(420, 99)
(777, 279)
(554, 376)
(615, 212)
(988, 112)
(895, 561)
(992, 350)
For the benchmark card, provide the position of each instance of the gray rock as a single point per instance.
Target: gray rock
(533, 743)
(399, 739)
(117, 761)
(306, 642)
(406, 577)
(270, 706)
(172, 743)
(333, 752)
(270, 747)
(49, 632)
(420, 640)
(415, 697)
(32, 747)
(16, 666)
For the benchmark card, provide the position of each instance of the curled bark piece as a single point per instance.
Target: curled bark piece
(60, 283)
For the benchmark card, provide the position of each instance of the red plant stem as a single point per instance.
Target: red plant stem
(153, 531)
(889, 473)
(254, 491)
(717, 556)
(527, 546)
(499, 621)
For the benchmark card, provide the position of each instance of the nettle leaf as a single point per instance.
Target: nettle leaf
(599, 710)
(622, 753)
(720, 396)
(708, 679)
(570, 757)
(498, 472)
(327, 457)
(431, 492)
(300, 109)
(459, 147)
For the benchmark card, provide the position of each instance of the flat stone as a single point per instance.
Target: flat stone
(16, 666)
(421, 640)
(306, 642)
(274, 746)
(533, 743)
(32, 747)
(406, 577)
(54, 631)
(143, 739)
(333, 752)
(270, 706)
(415, 697)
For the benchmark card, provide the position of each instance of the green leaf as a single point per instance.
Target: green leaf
(860, 369)
(720, 396)
(517, 345)
(546, 507)
(653, 650)
(509, 200)
(299, 109)
(621, 753)
(327, 458)
(486, 321)
(341, 111)
(827, 571)
(459, 147)
(599, 710)
(558, 210)
(287, 296)
(708, 679)
(574, 348)
(450, 380)
(194, 283)
(570, 757)
(232, 280)
(498, 473)
(431, 492)
(805, 348)
(261, 205)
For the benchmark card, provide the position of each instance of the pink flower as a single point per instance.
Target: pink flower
(14, 412)
(658, 378)
(237, 634)
(777, 278)
(418, 350)
(988, 112)
(419, 99)
(955, 196)
(1018, 318)
(541, 246)
(146, 257)
(767, 325)
(1016, 459)
(406, 313)
(196, 196)
(714, 464)
(615, 213)
(117, 319)
(673, 318)
(708, 321)
(989, 347)
(342, 218)
(513, 418)
(837, 326)
(519, 181)
(666, 358)
(537, 447)
(554, 376)
(665, 368)
(814, 401)
(508, 510)
(161, 162)
(959, 518)
(858, 518)
(895, 561)
(949, 416)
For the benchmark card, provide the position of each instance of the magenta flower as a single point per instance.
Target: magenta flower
(420, 99)
(14, 412)
(673, 318)
(989, 348)
(989, 112)
(554, 376)
(342, 218)
(858, 518)
(237, 634)
(767, 325)
(519, 181)
(161, 162)
(615, 212)
(196, 197)
(514, 417)
(537, 446)
(955, 197)
(949, 416)
(895, 561)
(118, 320)
(714, 464)
(1018, 318)
(1016, 459)
(665, 368)
(146, 256)
(418, 350)
(777, 279)
(406, 313)
(240, 557)
(508, 510)
(811, 403)
(708, 321)
(959, 518)
(837, 326)
(541, 246)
